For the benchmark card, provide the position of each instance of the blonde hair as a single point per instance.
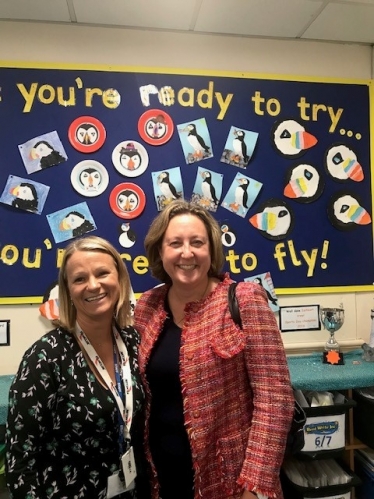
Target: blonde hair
(153, 239)
(67, 311)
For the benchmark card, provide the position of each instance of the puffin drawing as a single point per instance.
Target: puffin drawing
(270, 297)
(228, 237)
(86, 134)
(129, 157)
(50, 306)
(127, 236)
(274, 220)
(240, 147)
(197, 142)
(25, 197)
(127, 200)
(77, 223)
(342, 164)
(90, 178)
(291, 139)
(304, 183)
(156, 127)
(47, 156)
(208, 189)
(167, 188)
(346, 213)
(241, 195)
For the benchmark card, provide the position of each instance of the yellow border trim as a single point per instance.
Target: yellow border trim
(180, 71)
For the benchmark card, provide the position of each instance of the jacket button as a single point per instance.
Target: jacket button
(189, 356)
(196, 414)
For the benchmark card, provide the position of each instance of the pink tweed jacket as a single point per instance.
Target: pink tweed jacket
(237, 396)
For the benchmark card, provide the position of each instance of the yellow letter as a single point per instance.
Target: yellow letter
(28, 96)
(26, 261)
(90, 92)
(190, 94)
(8, 250)
(209, 96)
(140, 265)
(62, 101)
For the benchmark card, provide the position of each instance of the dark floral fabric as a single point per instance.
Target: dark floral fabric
(62, 427)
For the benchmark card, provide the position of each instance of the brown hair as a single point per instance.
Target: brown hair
(153, 239)
(67, 311)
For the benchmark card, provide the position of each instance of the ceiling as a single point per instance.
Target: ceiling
(348, 21)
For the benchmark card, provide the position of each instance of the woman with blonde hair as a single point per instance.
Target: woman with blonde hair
(74, 426)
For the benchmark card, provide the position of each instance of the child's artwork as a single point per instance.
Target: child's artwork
(25, 194)
(42, 152)
(239, 147)
(195, 140)
(208, 189)
(241, 195)
(167, 186)
(266, 282)
(70, 222)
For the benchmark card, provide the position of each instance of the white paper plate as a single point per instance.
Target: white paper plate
(90, 178)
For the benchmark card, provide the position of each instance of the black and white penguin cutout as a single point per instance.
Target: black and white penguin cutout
(167, 188)
(228, 237)
(240, 148)
(127, 237)
(207, 188)
(346, 212)
(341, 163)
(274, 220)
(303, 183)
(290, 138)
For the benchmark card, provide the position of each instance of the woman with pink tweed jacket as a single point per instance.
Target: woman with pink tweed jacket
(219, 399)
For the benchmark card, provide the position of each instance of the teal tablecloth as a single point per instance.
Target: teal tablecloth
(309, 373)
(5, 382)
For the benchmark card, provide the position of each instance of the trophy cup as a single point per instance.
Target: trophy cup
(332, 320)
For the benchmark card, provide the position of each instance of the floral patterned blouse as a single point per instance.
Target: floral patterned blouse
(62, 427)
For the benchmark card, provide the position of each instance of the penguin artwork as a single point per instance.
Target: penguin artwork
(166, 187)
(25, 197)
(77, 223)
(47, 156)
(240, 147)
(208, 189)
(90, 178)
(50, 306)
(341, 163)
(127, 236)
(228, 237)
(197, 142)
(272, 300)
(241, 195)
(129, 157)
(86, 134)
(127, 201)
(156, 127)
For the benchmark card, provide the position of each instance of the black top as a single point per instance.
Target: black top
(169, 443)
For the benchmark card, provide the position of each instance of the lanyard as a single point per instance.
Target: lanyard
(125, 412)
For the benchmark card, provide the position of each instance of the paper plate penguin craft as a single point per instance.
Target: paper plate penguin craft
(342, 164)
(130, 158)
(127, 200)
(290, 139)
(87, 134)
(274, 219)
(155, 127)
(89, 178)
(303, 183)
(346, 212)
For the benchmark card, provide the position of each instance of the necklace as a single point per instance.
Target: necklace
(180, 321)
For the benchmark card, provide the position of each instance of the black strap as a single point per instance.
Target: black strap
(233, 305)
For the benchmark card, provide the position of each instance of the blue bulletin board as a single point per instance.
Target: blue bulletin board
(284, 164)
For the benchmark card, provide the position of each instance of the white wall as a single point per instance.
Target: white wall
(57, 44)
